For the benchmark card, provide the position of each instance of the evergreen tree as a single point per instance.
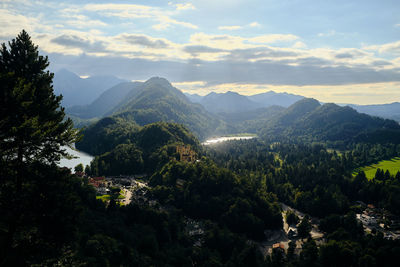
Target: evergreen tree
(79, 168)
(304, 227)
(32, 131)
(32, 125)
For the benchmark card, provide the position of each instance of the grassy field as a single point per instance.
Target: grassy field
(393, 165)
(105, 198)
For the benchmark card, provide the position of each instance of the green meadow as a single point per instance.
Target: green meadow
(393, 165)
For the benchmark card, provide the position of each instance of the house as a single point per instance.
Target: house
(97, 182)
(278, 246)
(186, 153)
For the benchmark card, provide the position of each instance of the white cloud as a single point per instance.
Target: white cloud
(327, 34)
(255, 24)
(230, 28)
(184, 6)
(299, 45)
(133, 11)
(166, 22)
(12, 23)
(123, 10)
(389, 48)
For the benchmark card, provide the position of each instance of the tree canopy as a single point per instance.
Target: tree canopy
(32, 125)
(32, 131)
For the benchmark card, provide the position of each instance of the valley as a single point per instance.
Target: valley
(192, 156)
(226, 180)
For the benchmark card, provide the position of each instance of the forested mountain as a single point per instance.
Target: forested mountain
(308, 120)
(272, 98)
(78, 91)
(158, 100)
(229, 102)
(106, 102)
(195, 98)
(388, 111)
(121, 149)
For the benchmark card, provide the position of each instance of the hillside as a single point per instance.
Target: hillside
(307, 120)
(158, 100)
(272, 98)
(122, 147)
(195, 98)
(229, 102)
(77, 91)
(106, 102)
(387, 111)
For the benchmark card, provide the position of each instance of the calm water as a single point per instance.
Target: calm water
(82, 157)
(226, 138)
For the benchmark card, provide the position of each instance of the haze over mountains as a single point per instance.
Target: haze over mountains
(219, 113)
(79, 91)
(389, 111)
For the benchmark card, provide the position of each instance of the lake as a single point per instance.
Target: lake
(82, 157)
(220, 139)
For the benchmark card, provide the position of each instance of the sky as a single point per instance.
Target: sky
(332, 50)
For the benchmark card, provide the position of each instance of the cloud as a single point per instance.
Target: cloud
(123, 10)
(134, 11)
(229, 28)
(344, 55)
(185, 6)
(81, 21)
(74, 41)
(143, 40)
(255, 24)
(195, 49)
(327, 34)
(389, 48)
(166, 22)
(299, 45)
(12, 23)
(259, 53)
(307, 72)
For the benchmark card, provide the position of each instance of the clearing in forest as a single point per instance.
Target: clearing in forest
(393, 165)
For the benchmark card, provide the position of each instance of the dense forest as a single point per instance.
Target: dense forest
(231, 193)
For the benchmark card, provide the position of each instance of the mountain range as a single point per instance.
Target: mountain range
(232, 102)
(97, 96)
(79, 91)
(155, 100)
(388, 111)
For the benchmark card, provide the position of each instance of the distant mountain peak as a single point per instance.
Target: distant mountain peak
(158, 80)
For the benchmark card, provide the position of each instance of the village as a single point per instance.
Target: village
(376, 220)
(125, 188)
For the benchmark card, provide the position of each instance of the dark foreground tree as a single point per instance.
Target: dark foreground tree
(32, 131)
(32, 125)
